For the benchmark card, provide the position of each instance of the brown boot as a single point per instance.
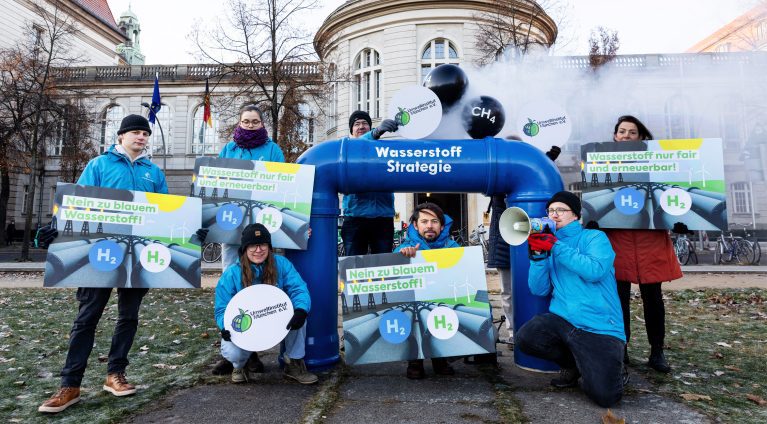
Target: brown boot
(118, 385)
(61, 400)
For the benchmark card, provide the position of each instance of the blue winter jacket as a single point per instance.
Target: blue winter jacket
(115, 170)
(368, 205)
(443, 241)
(288, 280)
(580, 276)
(269, 152)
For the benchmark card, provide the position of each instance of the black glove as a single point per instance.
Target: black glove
(592, 225)
(45, 235)
(680, 228)
(201, 234)
(388, 125)
(226, 335)
(298, 320)
(553, 153)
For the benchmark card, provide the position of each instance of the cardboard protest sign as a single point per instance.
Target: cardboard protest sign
(653, 184)
(236, 193)
(434, 305)
(122, 238)
(417, 111)
(257, 317)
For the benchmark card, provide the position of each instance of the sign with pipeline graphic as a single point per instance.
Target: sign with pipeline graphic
(123, 238)
(236, 193)
(396, 308)
(654, 184)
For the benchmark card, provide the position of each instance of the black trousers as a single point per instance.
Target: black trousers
(654, 311)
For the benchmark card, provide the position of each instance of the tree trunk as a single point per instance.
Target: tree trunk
(29, 208)
(5, 188)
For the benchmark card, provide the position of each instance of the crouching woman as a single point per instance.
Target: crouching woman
(257, 264)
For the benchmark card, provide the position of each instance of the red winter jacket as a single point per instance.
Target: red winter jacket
(644, 256)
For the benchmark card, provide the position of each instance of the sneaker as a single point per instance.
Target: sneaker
(415, 370)
(238, 375)
(254, 365)
(441, 366)
(118, 385)
(296, 369)
(61, 400)
(222, 367)
(657, 361)
(568, 377)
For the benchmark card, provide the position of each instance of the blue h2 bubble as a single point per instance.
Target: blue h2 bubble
(106, 255)
(629, 201)
(395, 327)
(229, 217)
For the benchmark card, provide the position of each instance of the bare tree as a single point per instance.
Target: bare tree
(603, 46)
(265, 55)
(77, 144)
(30, 99)
(517, 27)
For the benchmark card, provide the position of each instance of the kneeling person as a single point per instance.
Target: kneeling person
(257, 264)
(583, 330)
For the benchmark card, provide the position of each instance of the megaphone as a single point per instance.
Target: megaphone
(516, 226)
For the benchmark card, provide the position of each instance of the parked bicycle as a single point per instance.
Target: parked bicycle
(685, 250)
(753, 242)
(478, 237)
(211, 252)
(731, 248)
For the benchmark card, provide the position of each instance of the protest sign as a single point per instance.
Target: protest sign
(434, 305)
(543, 124)
(122, 238)
(236, 193)
(654, 184)
(417, 111)
(257, 317)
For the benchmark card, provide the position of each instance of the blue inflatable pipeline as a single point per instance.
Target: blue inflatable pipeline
(489, 166)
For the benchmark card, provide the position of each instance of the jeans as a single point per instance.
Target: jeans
(507, 297)
(295, 343)
(92, 304)
(229, 255)
(359, 234)
(654, 311)
(598, 357)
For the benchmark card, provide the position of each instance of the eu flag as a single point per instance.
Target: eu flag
(156, 105)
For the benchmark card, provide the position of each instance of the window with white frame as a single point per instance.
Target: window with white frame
(332, 118)
(741, 197)
(204, 138)
(437, 52)
(110, 123)
(368, 84)
(761, 31)
(55, 143)
(164, 119)
(678, 122)
(576, 188)
(723, 48)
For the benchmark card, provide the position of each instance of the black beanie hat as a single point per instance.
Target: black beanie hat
(254, 234)
(132, 123)
(359, 114)
(569, 199)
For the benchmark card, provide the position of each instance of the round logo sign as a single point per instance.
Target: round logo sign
(257, 316)
(229, 217)
(395, 327)
(544, 124)
(155, 257)
(417, 111)
(629, 201)
(442, 322)
(675, 201)
(271, 218)
(106, 255)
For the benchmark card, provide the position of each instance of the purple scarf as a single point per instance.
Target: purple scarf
(248, 139)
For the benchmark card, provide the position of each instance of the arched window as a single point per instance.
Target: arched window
(437, 52)
(110, 123)
(204, 138)
(741, 197)
(368, 84)
(165, 118)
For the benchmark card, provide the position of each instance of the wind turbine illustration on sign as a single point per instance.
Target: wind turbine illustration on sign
(294, 193)
(468, 287)
(183, 229)
(702, 171)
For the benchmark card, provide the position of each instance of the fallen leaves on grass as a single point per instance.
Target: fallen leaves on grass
(723, 344)
(756, 399)
(610, 418)
(693, 396)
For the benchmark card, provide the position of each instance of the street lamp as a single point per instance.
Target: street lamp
(162, 136)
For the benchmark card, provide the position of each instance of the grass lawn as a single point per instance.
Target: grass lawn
(717, 347)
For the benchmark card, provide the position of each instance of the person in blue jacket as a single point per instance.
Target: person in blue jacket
(258, 264)
(368, 217)
(126, 165)
(583, 330)
(429, 229)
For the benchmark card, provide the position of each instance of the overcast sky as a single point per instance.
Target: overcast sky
(648, 26)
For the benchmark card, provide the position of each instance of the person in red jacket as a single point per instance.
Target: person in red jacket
(646, 258)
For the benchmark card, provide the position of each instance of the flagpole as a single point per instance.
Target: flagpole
(156, 94)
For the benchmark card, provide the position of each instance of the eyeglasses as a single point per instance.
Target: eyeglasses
(256, 247)
(246, 122)
(557, 211)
